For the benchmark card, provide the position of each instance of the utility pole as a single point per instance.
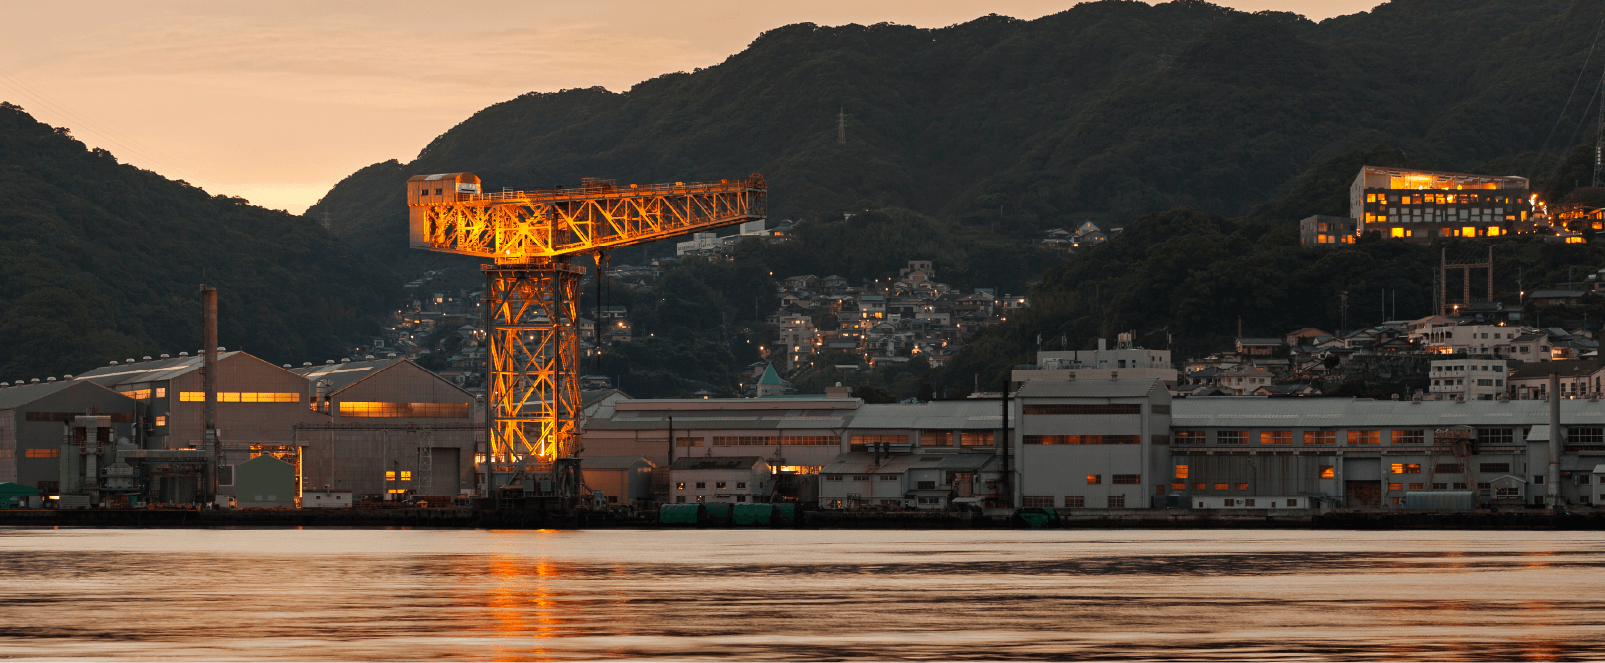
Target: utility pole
(841, 128)
(1343, 307)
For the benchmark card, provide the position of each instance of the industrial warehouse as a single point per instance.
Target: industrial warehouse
(131, 433)
(340, 433)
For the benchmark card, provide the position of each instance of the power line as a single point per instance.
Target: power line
(1533, 170)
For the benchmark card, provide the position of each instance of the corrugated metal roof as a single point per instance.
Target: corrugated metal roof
(1357, 413)
(344, 375)
(864, 463)
(612, 462)
(20, 395)
(938, 415)
(714, 462)
(1087, 388)
(609, 418)
(966, 462)
(148, 371)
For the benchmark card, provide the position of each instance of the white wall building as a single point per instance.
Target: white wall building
(1468, 379)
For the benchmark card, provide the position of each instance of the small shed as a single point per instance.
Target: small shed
(13, 495)
(623, 480)
(1509, 490)
(1598, 485)
(264, 482)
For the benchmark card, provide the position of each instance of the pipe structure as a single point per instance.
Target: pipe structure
(209, 373)
(1553, 476)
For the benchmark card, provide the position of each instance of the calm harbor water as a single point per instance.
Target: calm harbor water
(800, 595)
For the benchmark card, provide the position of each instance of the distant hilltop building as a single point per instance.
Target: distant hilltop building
(1420, 205)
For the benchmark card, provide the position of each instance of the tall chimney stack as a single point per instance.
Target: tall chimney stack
(209, 373)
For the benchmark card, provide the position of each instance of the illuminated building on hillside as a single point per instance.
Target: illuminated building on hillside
(1421, 205)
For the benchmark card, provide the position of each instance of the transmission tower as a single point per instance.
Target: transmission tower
(841, 128)
(532, 303)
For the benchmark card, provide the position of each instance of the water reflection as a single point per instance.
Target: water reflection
(397, 594)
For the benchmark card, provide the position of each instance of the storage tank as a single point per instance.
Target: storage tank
(1441, 500)
(681, 514)
(753, 515)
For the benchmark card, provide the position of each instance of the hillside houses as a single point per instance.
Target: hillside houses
(888, 320)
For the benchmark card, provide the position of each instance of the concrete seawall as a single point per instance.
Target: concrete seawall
(1118, 519)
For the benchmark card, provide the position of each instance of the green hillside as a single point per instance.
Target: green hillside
(1107, 111)
(101, 261)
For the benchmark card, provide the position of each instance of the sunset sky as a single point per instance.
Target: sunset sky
(278, 101)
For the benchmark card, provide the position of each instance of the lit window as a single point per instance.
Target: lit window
(1395, 486)
(406, 475)
(1222, 486)
(1181, 471)
(405, 410)
(1094, 479)
(1240, 486)
(1327, 472)
(161, 420)
(1276, 437)
(390, 475)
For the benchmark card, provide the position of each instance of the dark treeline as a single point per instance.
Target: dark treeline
(103, 261)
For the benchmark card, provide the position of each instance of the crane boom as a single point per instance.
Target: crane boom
(532, 414)
(450, 214)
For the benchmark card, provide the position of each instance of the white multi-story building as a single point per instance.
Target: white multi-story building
(1468, 378)
(1124, 362)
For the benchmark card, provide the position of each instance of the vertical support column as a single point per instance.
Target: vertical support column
(1552, 477)
(533, 406)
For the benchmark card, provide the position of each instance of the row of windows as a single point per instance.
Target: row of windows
(1436, 198)
(1070, 501)
(1123, 479)
(1326, 472)
(771, 440)
(42, 453)
(1107, 408)
(1580, 435)
(406, 475)
(680, 485)
(1083, 439)
(241, 397)
(405, 410)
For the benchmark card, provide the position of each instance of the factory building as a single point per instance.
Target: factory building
(837, 442)
(372, 429)
(1365, 453)
(1102, 444)
(387, 427)
(256, 401)
(40, 424)
(1091, 443)
(1421, 205)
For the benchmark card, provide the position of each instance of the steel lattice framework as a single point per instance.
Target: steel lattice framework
(533, 297)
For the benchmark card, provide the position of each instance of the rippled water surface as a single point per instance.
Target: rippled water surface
(422, 594)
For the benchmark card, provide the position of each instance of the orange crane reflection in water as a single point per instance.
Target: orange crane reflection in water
(533, 237)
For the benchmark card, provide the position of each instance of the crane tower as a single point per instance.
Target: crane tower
(532, 300)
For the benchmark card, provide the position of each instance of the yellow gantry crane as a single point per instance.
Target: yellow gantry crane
(533, 237)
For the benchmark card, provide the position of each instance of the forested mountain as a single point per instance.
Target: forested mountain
(1108, 110)
(103, 261)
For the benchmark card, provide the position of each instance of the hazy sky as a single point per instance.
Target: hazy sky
(277, 101)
